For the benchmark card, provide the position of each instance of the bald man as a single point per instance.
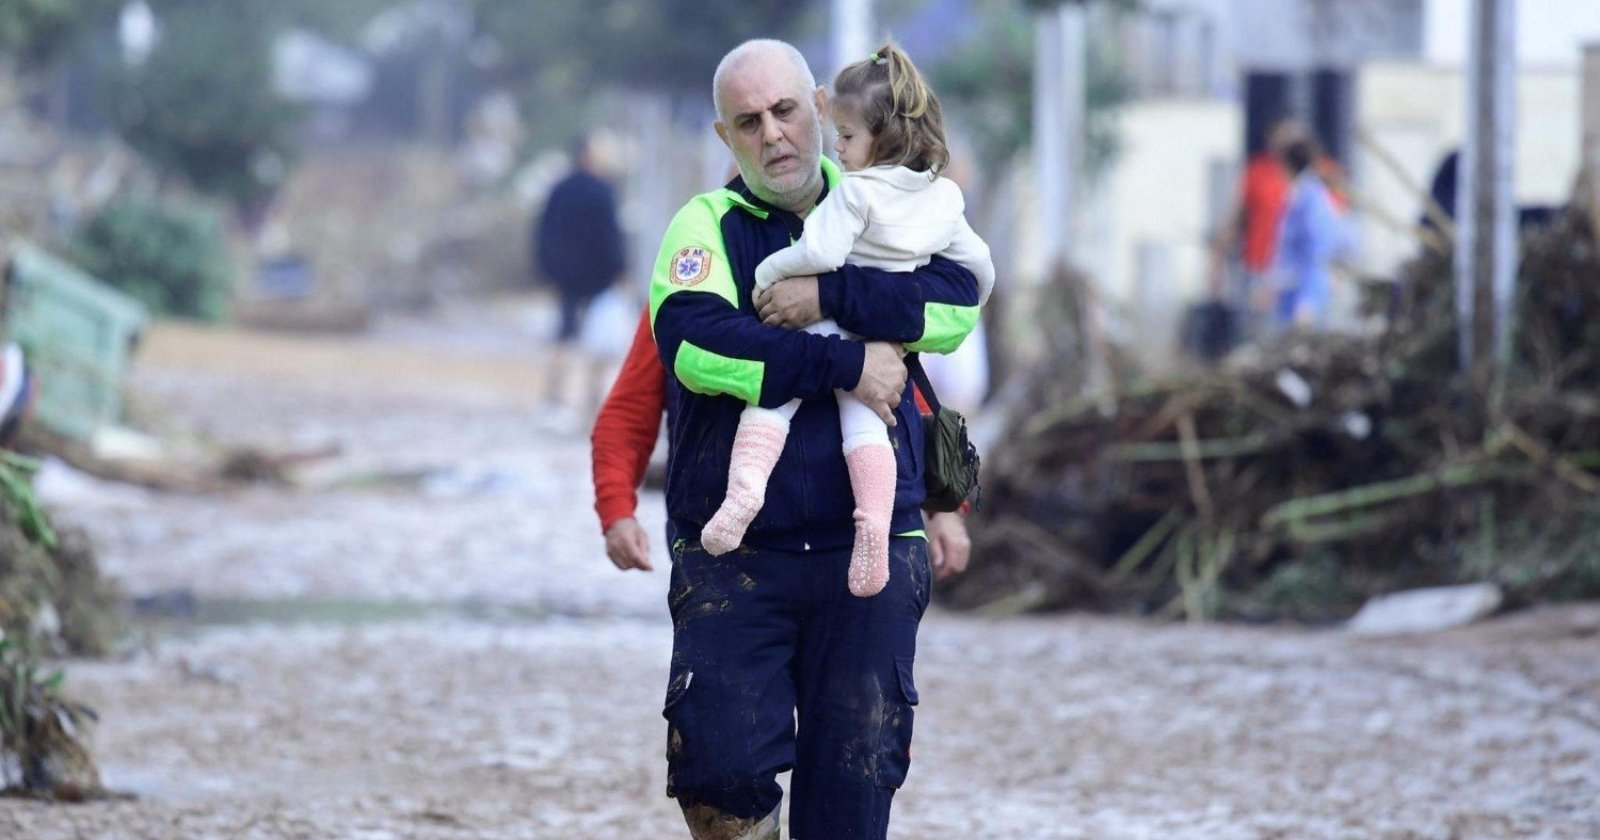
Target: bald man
(775, 665)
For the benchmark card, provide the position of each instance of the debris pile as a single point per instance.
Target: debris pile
(1304, 476)
(52, 602)
(51, 591)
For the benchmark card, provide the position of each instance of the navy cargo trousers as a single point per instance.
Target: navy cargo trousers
(777, 667)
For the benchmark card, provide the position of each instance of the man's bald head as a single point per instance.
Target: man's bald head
(767, 51)
(769, 113)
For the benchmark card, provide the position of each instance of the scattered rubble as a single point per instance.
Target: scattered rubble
(1304, 476)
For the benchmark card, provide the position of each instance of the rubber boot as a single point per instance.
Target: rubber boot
(708, 823)
(756, 447)
(872, 477)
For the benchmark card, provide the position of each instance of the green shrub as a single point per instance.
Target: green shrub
(172, 260)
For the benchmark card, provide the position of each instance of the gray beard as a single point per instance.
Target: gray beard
(796, 200)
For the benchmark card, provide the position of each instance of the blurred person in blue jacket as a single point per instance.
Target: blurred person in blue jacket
(1310, 237)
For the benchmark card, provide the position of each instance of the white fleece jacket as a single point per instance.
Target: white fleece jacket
(887, 217)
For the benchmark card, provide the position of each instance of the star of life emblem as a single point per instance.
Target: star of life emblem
(690, 266)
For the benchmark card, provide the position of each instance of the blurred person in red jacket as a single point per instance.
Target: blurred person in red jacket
(1252, 228)
(625, 433)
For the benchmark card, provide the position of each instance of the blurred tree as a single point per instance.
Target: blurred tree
(341, 21)
(668, 45)
(989, 83)
(201, 106)
(33, 33)
(987, 89)
(171, 258)
(557, 53)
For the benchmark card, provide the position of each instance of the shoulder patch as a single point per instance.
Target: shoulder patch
(690, 266)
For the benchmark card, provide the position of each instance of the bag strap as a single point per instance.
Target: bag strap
(920, 378)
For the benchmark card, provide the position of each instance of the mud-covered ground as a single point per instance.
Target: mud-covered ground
(451, 656)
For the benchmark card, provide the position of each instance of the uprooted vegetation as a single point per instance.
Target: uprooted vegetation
(1306, 475)
(52, 602)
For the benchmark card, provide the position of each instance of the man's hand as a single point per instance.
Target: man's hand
(793, 303)
(883, 379)
(627, 545)
(949, 547)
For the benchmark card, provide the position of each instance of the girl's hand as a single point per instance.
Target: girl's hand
(793, 303)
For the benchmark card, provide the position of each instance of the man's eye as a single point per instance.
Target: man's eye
(783, 110)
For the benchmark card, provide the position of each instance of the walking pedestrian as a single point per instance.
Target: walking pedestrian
(775, 665)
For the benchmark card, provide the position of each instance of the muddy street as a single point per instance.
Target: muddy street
(428, 642)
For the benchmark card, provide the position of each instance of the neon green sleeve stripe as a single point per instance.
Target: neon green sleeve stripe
(919, 533)
(944, 327)
(705, 372)
(695, 233)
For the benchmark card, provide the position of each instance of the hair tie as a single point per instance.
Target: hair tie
(878, 59)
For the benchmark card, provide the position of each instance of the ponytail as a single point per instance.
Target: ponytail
(898, 107)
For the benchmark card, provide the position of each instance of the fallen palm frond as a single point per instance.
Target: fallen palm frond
(1341, 464)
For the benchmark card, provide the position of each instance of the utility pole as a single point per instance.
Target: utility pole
(1589, 139)
(852, 33)
(1058, 106)
(1486, 251)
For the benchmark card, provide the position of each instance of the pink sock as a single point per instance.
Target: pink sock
(872, 477)
(756, 447)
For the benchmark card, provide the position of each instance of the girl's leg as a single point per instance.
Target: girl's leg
(872, 478)
(756, 447)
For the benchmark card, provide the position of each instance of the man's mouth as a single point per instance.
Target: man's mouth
(780, 162)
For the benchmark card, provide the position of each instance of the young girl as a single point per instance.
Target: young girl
(891, 211)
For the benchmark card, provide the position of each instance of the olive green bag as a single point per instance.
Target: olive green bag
(950, 461)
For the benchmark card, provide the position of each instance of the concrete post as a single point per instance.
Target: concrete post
(1058, 105)
(1590, 139)
(852, 33)
(1486, 252)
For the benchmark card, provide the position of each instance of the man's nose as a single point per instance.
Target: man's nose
(771, 132)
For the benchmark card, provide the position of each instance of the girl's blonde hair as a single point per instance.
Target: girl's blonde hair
(898, 108)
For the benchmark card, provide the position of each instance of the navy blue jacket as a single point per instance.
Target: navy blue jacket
(723, 357)
(578, 242)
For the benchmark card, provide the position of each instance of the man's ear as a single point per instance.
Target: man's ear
(821, 96)
(722, 132)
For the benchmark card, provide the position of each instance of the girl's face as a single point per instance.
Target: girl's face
(854, 142)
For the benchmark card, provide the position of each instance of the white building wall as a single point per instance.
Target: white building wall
(1416, 113)
(1160, 204)
(1550, 33)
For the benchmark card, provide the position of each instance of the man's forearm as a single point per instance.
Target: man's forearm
(931, 309)
(714, 348)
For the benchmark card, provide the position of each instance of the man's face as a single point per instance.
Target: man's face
(770, 122)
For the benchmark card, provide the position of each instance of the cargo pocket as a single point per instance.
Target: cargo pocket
(894, 756)
(675, 694)
(908, 689)
(676, 690)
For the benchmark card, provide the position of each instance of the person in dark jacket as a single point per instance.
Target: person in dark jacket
(579, 248)
(775, 665)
